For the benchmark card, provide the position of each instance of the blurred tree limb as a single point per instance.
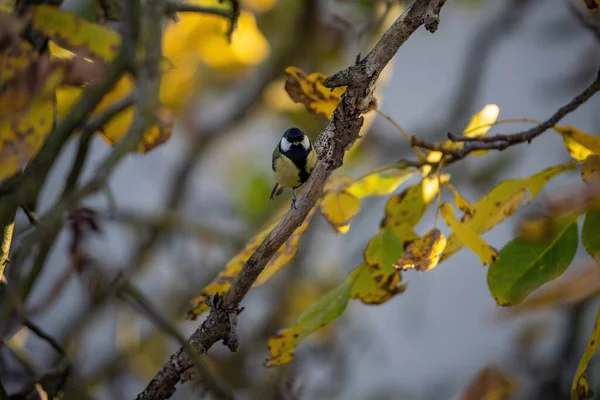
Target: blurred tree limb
(339, 134)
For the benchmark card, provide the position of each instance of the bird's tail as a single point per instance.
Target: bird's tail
(277, 190)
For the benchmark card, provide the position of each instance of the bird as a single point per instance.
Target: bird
(293, 160)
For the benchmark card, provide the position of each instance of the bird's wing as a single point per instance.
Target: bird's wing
(276, 155)
(277, 190)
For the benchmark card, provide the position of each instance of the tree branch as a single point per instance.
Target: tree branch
(337, 137)
(501, 142)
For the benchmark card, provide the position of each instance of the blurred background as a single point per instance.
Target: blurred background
(527, 56)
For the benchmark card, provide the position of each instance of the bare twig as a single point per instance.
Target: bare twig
(339, 134)
(45, 336)
(501, 142)
(173, 8)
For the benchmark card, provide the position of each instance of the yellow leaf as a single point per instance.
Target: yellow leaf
(460, 201)
(22, 137)
(76, 34)
(468, 237)
(502, 201)
(404, 211)
(223, 280)
(579, 142)
(479, 125)
(424, 253)
(16, 59)
(339, 208)
(319, 314)
(536, 183)
(371, 291)
(576, 150)
(309, 90)
(580, 389)
(380, 183)
(481, 122)
(590, 170)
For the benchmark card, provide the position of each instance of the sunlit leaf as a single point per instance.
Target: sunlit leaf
(502, 201)
(580, 388)
(404, 211)
(380, 183)
(424, 253)
(590, 233)
(221, 283)
(590, 170)
(282, 346)
(468, 236)
(576, 150)
(524, 266)
(489, 384)
(579, 143)
(76, 34)
(478, 126)
(564, 291)
(339, 208)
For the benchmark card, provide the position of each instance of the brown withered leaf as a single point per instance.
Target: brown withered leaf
(489, 384)
(308, 89)
(423, 253)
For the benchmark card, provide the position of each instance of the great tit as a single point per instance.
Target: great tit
(293, 161)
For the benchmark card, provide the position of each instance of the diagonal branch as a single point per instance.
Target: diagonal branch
(502, 142)
(337, 137)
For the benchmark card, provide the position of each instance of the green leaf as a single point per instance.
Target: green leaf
(383, 250)
(590, 234)
(580, 389)
(524, 266)
(319, 314)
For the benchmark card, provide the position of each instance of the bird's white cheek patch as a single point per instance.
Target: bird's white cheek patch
(285, 144)
(306, 143)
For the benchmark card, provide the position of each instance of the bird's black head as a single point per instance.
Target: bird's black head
(294, 135)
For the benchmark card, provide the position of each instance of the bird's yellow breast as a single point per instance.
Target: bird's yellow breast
(286, 173)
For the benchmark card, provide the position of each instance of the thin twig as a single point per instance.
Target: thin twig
(406, 135)
(44, 336)
(339, 134)
(501, 142)
(173, 8)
